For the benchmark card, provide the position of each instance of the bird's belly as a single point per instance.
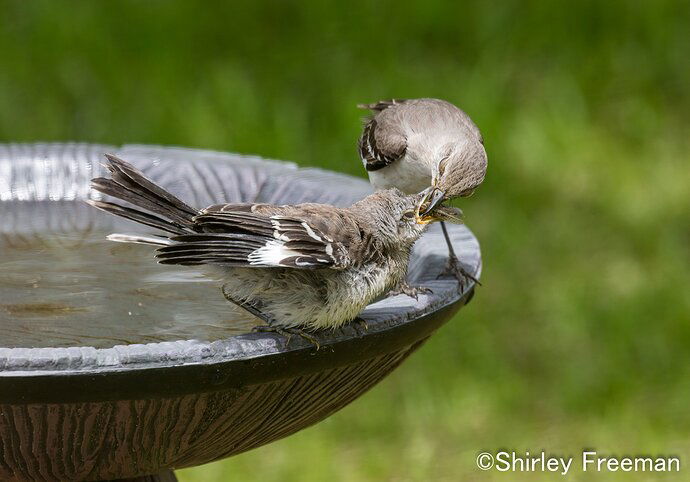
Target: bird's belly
(406, 174)
(313, 299)
(288, 297)
(358, 288)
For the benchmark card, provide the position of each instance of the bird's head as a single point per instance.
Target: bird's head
(460, 168)
(411, 225)
(394, 214)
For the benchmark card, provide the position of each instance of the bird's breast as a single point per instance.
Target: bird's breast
(409, 174)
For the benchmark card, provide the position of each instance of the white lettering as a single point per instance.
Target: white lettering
(587, 458)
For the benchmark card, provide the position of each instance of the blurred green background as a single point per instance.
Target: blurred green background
(580, 336)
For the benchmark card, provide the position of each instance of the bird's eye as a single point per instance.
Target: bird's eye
(409, 214)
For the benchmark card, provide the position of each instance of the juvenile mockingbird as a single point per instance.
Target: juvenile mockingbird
(424, 145)
(296, 267)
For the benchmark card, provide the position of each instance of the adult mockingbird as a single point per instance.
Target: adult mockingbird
(296, 267)
(424, 145)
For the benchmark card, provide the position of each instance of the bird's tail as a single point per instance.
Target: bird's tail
(157, 207)
(138, 239)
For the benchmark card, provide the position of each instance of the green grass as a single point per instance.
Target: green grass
(580, 336)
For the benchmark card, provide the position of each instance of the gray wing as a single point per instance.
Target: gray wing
(382, 141)
(256, 236)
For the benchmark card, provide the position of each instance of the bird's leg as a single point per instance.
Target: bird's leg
(271, 326)
(454, 266)
(249, 307)
(404, 288)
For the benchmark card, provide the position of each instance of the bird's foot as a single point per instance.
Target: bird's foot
(288, 333)
(411, 291)
(455, 269)
(360, 325)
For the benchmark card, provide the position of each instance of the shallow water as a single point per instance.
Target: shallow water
(83, 290)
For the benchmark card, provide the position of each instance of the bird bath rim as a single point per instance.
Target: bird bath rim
(186, 366)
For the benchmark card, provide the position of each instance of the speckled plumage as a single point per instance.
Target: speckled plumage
(311, 266)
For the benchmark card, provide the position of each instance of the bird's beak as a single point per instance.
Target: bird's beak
(431, 209)
(432, 198)
(448, 214)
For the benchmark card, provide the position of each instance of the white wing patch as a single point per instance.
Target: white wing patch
(271, 254)
(288, 246)
(311, 232)
(277, 230)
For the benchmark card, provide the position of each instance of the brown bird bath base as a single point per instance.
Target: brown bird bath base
(113, 367)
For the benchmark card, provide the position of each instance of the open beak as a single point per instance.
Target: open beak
(431, 208)
(433, 197)
(448, 214)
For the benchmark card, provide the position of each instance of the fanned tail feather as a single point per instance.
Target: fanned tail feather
(170, 214)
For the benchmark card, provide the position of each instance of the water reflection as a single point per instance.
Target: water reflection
(83, 290)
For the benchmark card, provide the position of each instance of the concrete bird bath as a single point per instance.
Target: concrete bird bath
(112, 367)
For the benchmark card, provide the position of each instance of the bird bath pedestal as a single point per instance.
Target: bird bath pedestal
(85, 395)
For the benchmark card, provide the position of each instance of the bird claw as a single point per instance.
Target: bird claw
(455, 269)
(360, 325)
(411, 291)
(288, 333)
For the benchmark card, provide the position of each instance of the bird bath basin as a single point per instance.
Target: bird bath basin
(114, 367)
